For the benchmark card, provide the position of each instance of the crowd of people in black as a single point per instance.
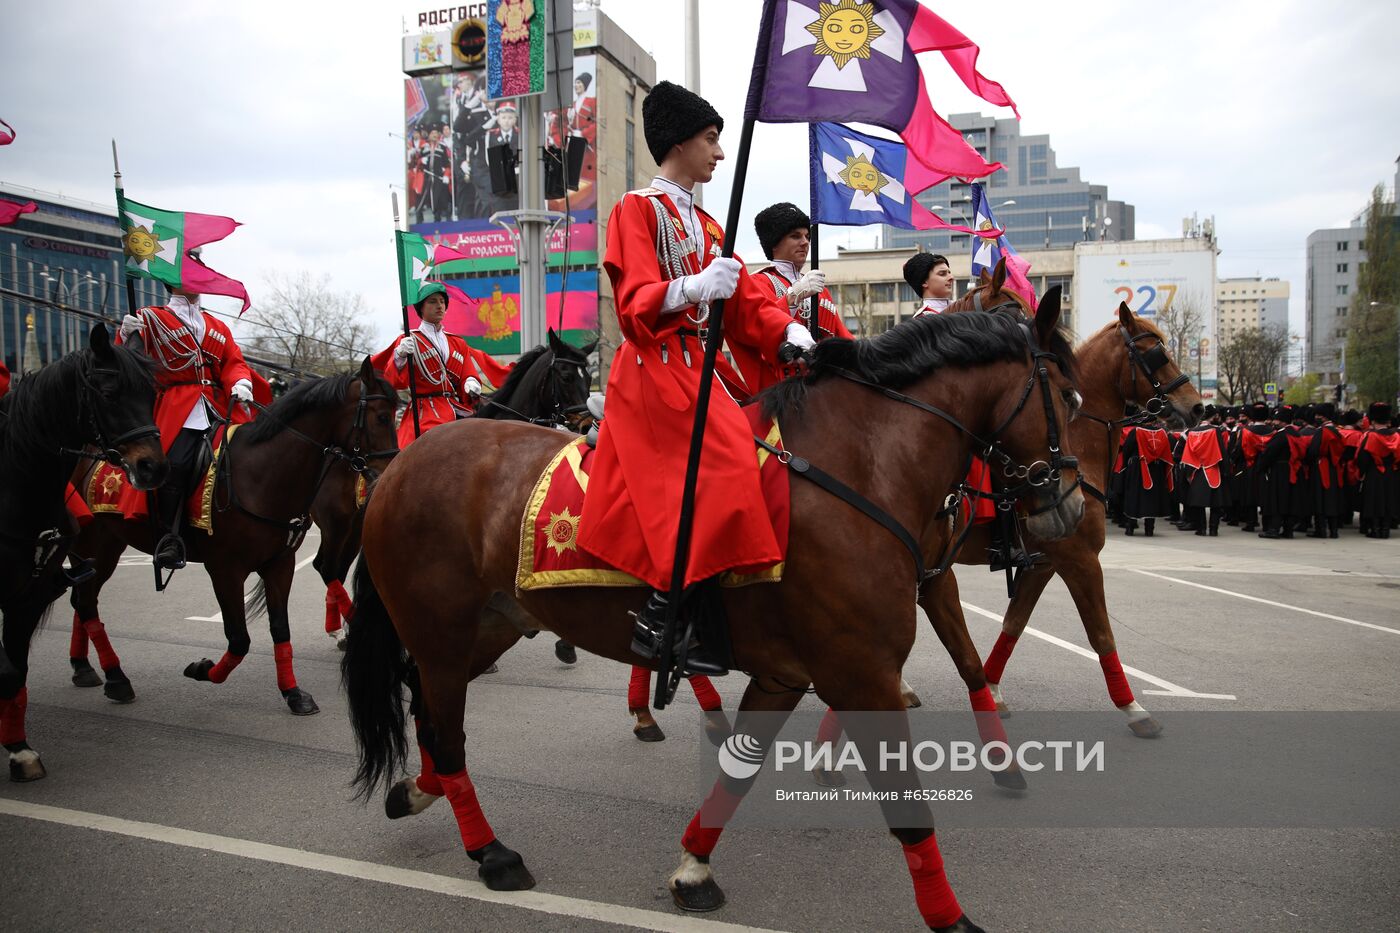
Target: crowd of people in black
(1276, 471)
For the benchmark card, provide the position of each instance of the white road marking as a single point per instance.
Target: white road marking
(1169, 689)
(219, 616)
(1269, 602)
(370, 871)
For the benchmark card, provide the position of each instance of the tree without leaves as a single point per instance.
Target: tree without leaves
(1251, 358)
(1182, 323)
(304, 323)
(1371, 340)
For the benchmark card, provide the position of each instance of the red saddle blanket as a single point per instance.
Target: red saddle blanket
(549, 551)
(103, 493)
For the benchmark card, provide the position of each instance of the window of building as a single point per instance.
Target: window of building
(1341, 267)
(1341, 246)
(1342, 311)
(1039, 152)
(1341, 289)
(631, 154)
(1038, 170)
(631, 104)
(882, 291)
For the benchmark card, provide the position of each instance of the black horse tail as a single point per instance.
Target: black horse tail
(372, 673)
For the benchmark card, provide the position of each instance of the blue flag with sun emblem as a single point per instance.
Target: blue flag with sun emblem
(858, 179)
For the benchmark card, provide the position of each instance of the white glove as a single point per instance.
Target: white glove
(408, 347)
(810, 284)
(717, 282)
(242, 391)
(799, 336)
(131, 326)
(472, 386)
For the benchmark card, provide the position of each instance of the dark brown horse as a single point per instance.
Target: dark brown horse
(837, 627)
(548, 385)
(98, 399)
(1124, 362)
(268, 475)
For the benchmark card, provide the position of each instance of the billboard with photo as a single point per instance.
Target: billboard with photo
(450, 131)
(1153, 277)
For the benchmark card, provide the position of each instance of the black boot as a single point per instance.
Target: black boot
(1332, 528)
(650, 624)
(170, 550)
(1147, 525)
(1214, 524)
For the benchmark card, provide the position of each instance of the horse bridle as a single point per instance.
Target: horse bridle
(109, 450)
(559, 414)
(1148, 362)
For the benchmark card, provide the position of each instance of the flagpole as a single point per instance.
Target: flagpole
(812, 196)
(130, 279)
(813, 315)
(407, 333)
(714, 337)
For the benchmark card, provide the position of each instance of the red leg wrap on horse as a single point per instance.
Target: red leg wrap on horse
(12, 717)
(989, 727)
(1118, 690)
(97, 634)
(639, 688)
(705, 694)
(476, 832)
(427, 781)
(219, 672)
(995, 665)
(830, 728)
(78, 644)
(702, 835)
(282, 654)
(342, 598)
(937, 903)
(332, 609)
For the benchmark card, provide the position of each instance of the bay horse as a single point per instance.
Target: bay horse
(924, 395)
(101, 398)
(268, 475)
(1124, 362)
(548, 385)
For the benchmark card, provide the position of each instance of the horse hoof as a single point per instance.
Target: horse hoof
(717, 727)
(405, 799)
(1148, 728)
(338, 636)
(698, 898)
(300, 702)
(119, 691)
(565, 652)
(25, 766)
(963, 925)
(1003, 711)
(502, 869)
(1009, 780)
(83, 674)
(199, 670)
(493, 669)
(912, 701)
(651, 733)
(828, 778)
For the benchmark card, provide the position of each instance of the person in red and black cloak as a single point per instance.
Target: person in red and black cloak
(1253, 438)
(1279, 466)
(1147, 478)
(201, 380)
(1378, 459)
(445, 384)
(1177, 441)
(1324, 458)
(784, 232)
(1204, 470)
(1349, 426)
(1113, 508)
(665, 264)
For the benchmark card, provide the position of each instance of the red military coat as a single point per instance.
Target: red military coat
(187, 372)
(829, 323)
(440, 384)
(634, 495)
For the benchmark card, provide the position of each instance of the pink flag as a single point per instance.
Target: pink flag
(195, 275)
(7, 135)
(10, 211)
(929, 32)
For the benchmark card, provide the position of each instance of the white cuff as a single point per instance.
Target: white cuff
(675, 297)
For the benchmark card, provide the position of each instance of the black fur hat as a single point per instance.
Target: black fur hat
(1379, 413)
(671, 115)
(1349, 418)
(1303, 413)
(1325, 410)
(1259, 412)
(777, 221)
(916, 271)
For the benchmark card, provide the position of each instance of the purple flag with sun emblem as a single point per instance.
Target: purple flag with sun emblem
(853, 61)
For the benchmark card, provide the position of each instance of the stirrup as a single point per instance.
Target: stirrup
(169, 555)
(648, 628)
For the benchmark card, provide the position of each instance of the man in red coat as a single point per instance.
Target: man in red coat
(201, 379)
(445, 368)
(663, 258)
(784, 232)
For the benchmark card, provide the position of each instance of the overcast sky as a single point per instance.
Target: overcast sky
(1277, 118)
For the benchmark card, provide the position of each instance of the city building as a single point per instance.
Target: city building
(1053, 208)
(1251, 302)
(68, 252)
(1334, 257)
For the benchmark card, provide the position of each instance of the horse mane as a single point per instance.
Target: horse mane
(905, 353)
(43, 402)
(1061, 338)
(508, 389)
(1147, 325)
(303, 398)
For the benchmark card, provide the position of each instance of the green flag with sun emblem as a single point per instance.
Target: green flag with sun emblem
(415, 265)
(157, 244)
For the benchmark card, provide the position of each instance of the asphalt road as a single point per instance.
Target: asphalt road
(211, 808)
